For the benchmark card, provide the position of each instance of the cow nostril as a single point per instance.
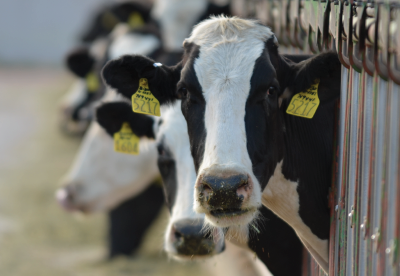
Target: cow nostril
(178, 235)
(206, 187)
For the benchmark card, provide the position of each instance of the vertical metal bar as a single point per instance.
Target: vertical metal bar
(396, 259)
(371, 196)
(352, 168)
(391, 174)
(339, 184)
(365, 166)
(344, 181)
(378, 172)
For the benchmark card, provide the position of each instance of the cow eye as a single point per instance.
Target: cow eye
(182, 93)
(271, 91)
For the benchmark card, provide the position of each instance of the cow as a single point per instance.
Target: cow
(101, 180)
(103, 22)
(184, 238)
(235, 89)
(274, 242)
(126, 219)
(86, 63)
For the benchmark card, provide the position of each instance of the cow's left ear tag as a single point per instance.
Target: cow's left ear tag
(304, 104)
(143, 100)
(125, 141)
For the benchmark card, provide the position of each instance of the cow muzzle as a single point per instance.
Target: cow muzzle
(188, 240)
(225, 199)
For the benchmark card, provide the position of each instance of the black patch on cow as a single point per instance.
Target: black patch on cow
(167, 167)
(193, 104)
(112, 115)
(80, 62)
(125, 72)
(304, 145)
(129, 222)
(276, 245)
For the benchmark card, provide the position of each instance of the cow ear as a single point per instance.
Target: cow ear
(327, 68)
(124, 73)
(80, 62)
(112, 115)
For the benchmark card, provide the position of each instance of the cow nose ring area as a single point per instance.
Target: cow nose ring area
(191, 240)
(224, 195)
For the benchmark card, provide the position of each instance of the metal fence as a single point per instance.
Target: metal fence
(365, 192)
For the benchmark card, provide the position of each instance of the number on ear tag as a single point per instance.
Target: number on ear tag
(143, 100)
(125, 141)
(304, 104)
(92, 82)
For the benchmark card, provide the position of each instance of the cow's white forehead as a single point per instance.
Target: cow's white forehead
(221, 29)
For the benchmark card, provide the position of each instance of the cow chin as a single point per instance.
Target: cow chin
(244, 218)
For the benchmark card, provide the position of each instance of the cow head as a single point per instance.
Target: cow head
(104, 21)
(185, 236)
(100, 178)
(235, 88)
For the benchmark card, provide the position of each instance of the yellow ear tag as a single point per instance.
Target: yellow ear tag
(304, 104)
(125, 141)
(92, 82)
(143, 100)
(135, 20)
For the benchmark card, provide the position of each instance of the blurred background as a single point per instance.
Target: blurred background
(41, 32)
(36, 236)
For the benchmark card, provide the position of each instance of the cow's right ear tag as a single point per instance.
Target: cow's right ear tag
(305, 104)
(143, 100)
(125, 141)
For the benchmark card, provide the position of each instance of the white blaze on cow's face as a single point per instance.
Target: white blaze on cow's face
(100, 178)
(184, 237)
(135, 43)
(227, 50)
(176, 18)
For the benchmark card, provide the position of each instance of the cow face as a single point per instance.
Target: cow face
(184, 237)
(227, 82)
(100, 178)
(235, 88)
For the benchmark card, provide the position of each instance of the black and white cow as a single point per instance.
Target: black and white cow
(104, 21)
(184, 237)
(86, 63)
(235, 88)
(101, 180)
(274, 242)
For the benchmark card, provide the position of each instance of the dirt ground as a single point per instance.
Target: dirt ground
(36, 237)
